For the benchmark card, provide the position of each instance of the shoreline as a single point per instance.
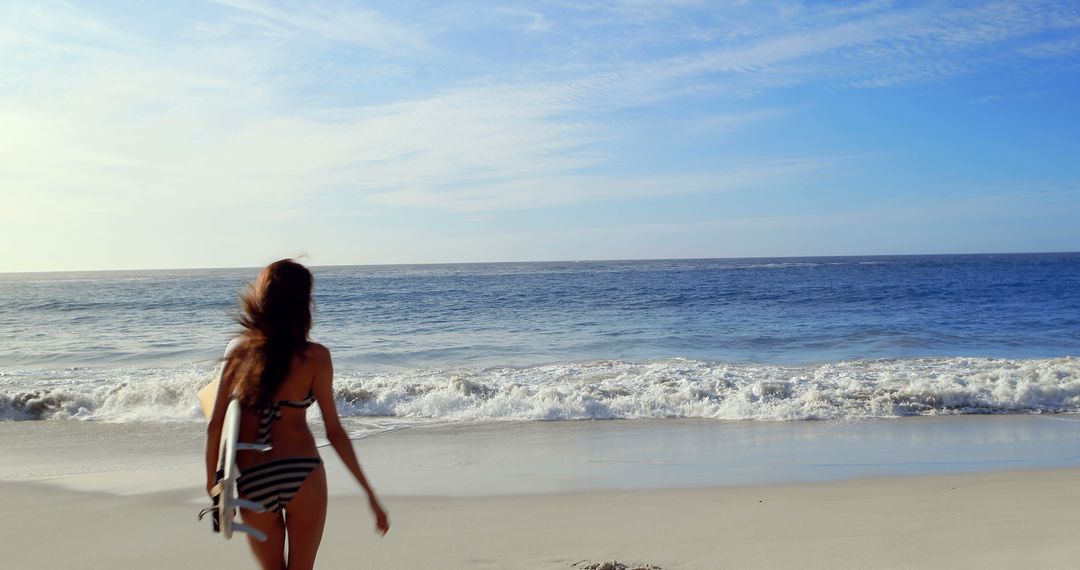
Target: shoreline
(522, 458)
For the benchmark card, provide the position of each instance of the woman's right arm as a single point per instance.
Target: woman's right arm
(213, 429)
(217, 418)
(323, 387)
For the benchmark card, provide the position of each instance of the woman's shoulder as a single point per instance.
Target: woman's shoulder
(234, 344)
(317, 351)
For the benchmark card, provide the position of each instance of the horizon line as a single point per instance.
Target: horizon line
(539, 261)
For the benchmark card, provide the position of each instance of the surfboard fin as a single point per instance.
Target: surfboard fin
(249, 505)
(255, 533)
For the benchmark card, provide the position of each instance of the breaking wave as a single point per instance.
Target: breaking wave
(604, 389)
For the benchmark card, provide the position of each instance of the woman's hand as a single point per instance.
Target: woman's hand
(382, 521)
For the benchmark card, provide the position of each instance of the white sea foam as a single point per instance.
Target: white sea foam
(120, 395)
(674, 388)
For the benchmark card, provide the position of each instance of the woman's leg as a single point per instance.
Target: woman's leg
(305, 516)
(270, 554)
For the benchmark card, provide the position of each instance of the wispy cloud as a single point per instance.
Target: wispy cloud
(882, 48)
(1005, 97)
(233, 101)
(107, 116)
(534, 21)
(514, 193)
(1054, 48)
(337, 22)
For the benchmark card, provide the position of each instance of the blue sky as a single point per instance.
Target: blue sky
(235, 132)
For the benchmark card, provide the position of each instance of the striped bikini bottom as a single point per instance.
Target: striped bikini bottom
(274, 483)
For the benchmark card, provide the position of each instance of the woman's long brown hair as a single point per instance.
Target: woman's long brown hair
(276, 320)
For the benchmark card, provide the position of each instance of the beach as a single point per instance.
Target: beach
(604, 285)
(551, 495)
(895, 412)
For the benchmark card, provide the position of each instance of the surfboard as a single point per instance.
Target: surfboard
(207, 396)
(230, 436)
(228, 501)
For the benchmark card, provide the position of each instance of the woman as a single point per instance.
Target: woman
(276, 373)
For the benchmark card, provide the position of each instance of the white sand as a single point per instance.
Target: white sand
(989, 520)
(535, 496)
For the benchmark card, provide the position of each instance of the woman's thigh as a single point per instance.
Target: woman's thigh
(271, 553)
(305, 517)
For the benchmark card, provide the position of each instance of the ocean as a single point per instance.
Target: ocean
(831, 338)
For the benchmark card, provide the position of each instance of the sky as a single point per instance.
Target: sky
(231, 133)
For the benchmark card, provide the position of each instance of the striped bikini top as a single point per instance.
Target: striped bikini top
(272, 413)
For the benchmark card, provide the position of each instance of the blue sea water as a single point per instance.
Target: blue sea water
(798, 338)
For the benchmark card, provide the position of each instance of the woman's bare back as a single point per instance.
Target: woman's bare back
(290, 435)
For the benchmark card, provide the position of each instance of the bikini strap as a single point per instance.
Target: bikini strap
(272, 413)
(310, 399)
